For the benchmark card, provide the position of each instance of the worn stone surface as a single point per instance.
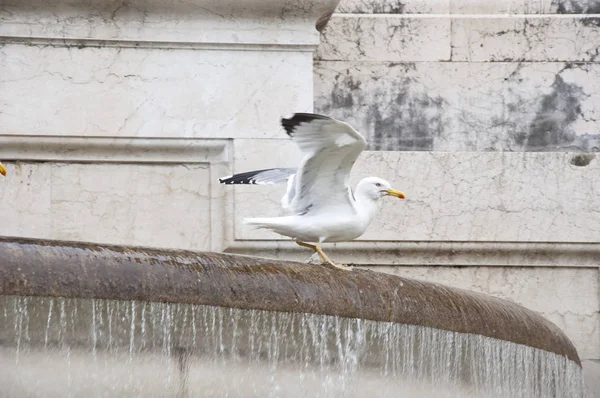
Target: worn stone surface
(159, 205)
(514, 81)
(195, 21)
(458, 196)
(591, 370)
(400, 38)
(136, 73)
(525, 6)
(368, 38)
(465, 106)
(526, 39)
(393, 7)
(469, 7)
(148, 92)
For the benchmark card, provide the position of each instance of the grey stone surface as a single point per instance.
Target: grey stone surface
(591, 370)
(369, 38)
(526, 39)
(509, 76)
(525, 6)
(465, 106)
(394, 6)
(469, 7)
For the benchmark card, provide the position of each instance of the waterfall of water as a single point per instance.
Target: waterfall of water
(84, 347)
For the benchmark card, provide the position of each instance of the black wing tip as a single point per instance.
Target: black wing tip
(242, 178)
(237, 179)
(233, 180)
(289, 124)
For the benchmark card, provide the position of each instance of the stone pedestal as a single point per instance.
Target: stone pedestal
(117, 118)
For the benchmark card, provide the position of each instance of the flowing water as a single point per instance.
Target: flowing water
(58, 347)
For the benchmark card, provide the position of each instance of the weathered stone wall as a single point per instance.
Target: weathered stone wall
(459, 92)
(454, 81)
(118, 117)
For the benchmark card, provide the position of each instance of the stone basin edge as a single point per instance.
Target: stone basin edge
(51, 268)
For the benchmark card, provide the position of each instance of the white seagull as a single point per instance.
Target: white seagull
(322, 206)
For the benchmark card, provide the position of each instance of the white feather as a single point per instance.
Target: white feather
(322, 205)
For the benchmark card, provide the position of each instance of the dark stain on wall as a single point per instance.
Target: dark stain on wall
(549, 129)
(410, 123)
(373, 7)
(548, 124)
(343, 92)
(582, 159)
(579, 7)
(591, 21)
(399, 117)
(395, 111)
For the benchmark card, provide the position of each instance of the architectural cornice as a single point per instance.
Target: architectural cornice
(157, 45)
(218, 154)
(235, 22)
(113, 149)
(433, 253)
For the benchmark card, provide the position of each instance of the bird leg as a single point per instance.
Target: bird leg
(306, 245)
(315, 258)
(327, 260)
(322, 255)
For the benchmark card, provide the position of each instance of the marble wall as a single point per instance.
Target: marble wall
(117, 118)
(457, 82)
(487, 114)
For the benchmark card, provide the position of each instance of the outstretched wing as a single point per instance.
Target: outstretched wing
(267, 176)
(331, 147)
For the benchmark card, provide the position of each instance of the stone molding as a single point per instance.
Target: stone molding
(154, 45)
(113, 149)
(217, 153)
(431, 253)
(279, 22)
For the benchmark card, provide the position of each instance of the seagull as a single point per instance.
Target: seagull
(2, 170)
(322, 207)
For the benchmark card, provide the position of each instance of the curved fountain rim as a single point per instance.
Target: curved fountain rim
(47, 268)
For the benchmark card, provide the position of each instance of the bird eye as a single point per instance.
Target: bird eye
(377, 184)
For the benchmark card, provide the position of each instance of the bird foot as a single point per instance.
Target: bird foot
(338, 266)
(315, 259)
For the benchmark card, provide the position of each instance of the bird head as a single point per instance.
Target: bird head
(376, 188)
(2, 169)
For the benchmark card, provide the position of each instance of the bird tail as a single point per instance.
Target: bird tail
(280, 225)
(263, 222)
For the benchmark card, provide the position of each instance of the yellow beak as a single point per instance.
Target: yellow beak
(2, 170)
(393, 192)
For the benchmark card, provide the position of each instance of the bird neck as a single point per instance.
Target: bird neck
(366, 207)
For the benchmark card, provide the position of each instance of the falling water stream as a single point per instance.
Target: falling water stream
(57, 347)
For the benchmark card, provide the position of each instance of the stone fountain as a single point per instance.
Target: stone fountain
(81, 319)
